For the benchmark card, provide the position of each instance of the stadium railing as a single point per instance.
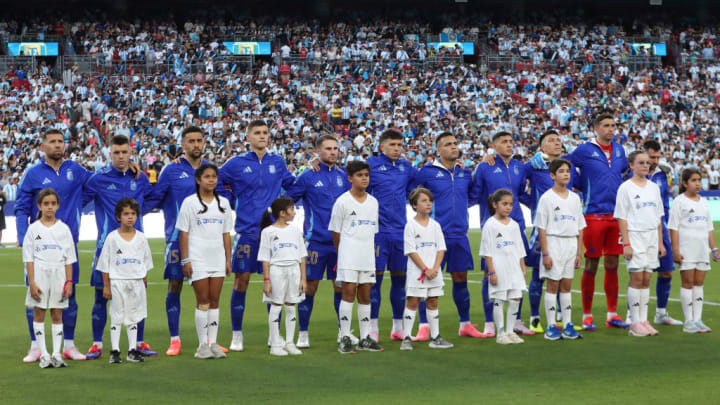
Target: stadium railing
(634, 62)
(7, 61)
(96, 65)
(369, 65)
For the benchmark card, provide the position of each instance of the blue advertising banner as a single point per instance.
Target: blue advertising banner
(248, 48)
(33, 48)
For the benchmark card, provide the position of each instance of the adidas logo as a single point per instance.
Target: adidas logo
(214, 324)
(692, 210)
(637, 304)
(276, 238)
(569, 307)
(277, 320)
(499, 235)
(112, 187)
(497, 304)
(439, 175)
(344, 318)
(366, 319)
(637, 196)
(498, 170)
(46, 181)
(417, 236)
(119, 252)
(134, 327)
(247, 170)
(353, 213)
(319, 183)
(38, 333)
(38, 237)
(699, 299)
(59, 333)
(113, 328)
(382, 168)
(408, 317)
(184, 176)
(595, 154)
(293, 320)
(552, 308)
(436, 317)
(557, 208)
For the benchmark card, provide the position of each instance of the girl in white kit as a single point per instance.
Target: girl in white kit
(204, 222)
(282, 253)
(48, 252)
(691, 234)
(502, 248)
(639, 211)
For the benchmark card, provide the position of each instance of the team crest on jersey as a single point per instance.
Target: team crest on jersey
(339, 181)
(516, 171)
(271, 168)
(69, 175)
(133, 186)
(617, 153)
(401, 168)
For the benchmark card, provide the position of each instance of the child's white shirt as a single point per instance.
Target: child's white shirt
(357, 224)
(641, 207)
(49, 246)
(206, 249)
(560, 216)
(281, 246)
(125, 260)
(504, 245)
(426, 241)
(692, 220)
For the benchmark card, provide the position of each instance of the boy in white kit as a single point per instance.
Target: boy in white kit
(425, 248)
(354, 223)
(560, 223)
(124, 261)
(48, 252)
(639, 211)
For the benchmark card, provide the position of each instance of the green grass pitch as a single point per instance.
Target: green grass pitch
(605, 367)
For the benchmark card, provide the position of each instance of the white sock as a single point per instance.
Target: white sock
(274, 325)
(634, 303)
(364, 319)
(201, 325)
(98, 344)
(69, 343)
(39, 329)
(397, 325)
(644, 304)
(661, 311)
(433, 317)
(174, 338)
(462, 324)
(611, 314)
(566, 305)
(345, 312)
(586, 316)
(698, 298)
(33, 344)
(57, 338)
(686, 300)
(374, 325)
(237, 334)
(532, 318)
(115, 336)
(213, 320)
(132, 336)
(290, 322)
(498, 315)
(512, 311)
(550, 309)
(408, 321)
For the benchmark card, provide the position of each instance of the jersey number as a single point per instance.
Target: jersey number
(313, 256)
(173, 256)
(242, 249)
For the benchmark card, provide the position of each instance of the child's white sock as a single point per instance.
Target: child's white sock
(39, 329)
(397, 325)
(274, 324)
(345, 313)
(408, 321)
(698, 298)
(374, 325)
(498, 315)
(686, 300)
(644, 304)
(512, 312)
(201, 325)
(364, 320)
(566, 306)
(132, 336)
(634, 303)
(550, 308)
(213, 318)
(115, 336)
(290, 322)
(433, 317)
(57, 338)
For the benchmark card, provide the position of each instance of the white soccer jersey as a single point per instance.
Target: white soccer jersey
(426, 241)
(281, 246)
(357, 224)
(503, 243)
(49, 246)
(692, 220)
(641, 207)
(560, 216)
(206, 250)
(125, 260)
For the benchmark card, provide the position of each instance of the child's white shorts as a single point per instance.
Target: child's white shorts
(284, 285)
(563, 252)
(129, 301)
(354, 276)
(645, 251)
(50, 280)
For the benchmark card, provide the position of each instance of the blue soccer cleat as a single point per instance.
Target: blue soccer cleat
(146, 351)
(569, 332)
(588, 324)
(616, 322)
(94, 353)
(552, 332)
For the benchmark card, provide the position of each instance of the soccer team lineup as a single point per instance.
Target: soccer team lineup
(588, 207)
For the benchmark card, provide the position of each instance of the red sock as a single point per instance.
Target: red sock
(588, 290)
(611, 288)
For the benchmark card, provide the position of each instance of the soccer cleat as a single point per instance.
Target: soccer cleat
(440, 343)
(204, 352)
(666, 319)
(470, 331)
(353, 339)
(616, 322)
(588, 324)
(397, 335)
(145, 350)
(406, 344)
(690, 327)
(33, 355)
(489, 330)
(291, 349)
(345, 346)
(521, 329)
(95, 352)
(224, 349)
(73, 354)
(536, 326)
(175, 348)
(503, 339)
(552, 332)
(217, 351)
(369, 344)
(570, 332)
(303, 341)
(57, 361)
(136, 356)
(515, 338)
(374, 335)
(115, 357)
(637, 329)
(45, 361)
(423, 334)
(702, 328)
(278, 351)
(237, 342)
(651, 331)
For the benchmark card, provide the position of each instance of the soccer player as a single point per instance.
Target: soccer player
(106, 188)
(255, 180)
(124, 261)
(602, 164)
(48, 252)
(318, 190)
(639, 212)
(425, 248)
(176, 182)
(508, 174)
(453, 188)
(354, 223)
(204, 224)
(559, 223)
(282, 253)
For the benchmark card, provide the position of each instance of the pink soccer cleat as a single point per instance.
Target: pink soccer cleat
(73, 354)
(33, 355)
(397, 336)
(470, 331)
(423, 334)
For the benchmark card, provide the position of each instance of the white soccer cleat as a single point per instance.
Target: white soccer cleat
(237, 342)
(353, 339)
(57, 361)
(32, 356)
(503, 339)
(665, 319)
(45, 362)
(204, 352)
(278, 351)
(292, 349)
(303, 341)
(690, 327)
(514, 338)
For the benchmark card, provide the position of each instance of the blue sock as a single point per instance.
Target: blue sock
(662, 290)
(99, 315)
(304, 311)
(172, 307)
(461, 296)
(237, 309)
(520, 308)
(337, 297)
(487, 304)
(397, 295)
(69, 316)
(422, 312)
(376, 297)
(535, 291)
(141, 331)
(30, 315)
